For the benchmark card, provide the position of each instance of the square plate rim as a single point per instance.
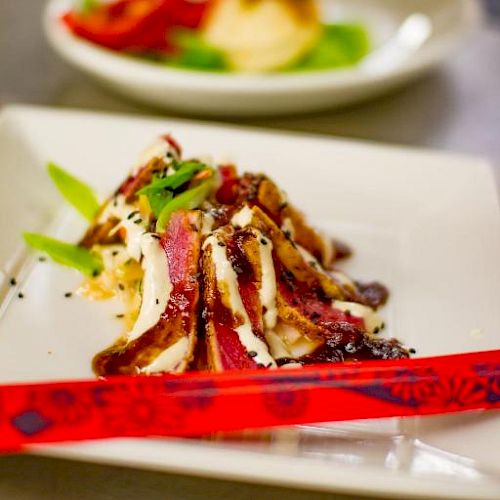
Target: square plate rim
(402, 483)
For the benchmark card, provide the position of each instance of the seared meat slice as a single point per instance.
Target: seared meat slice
(259, 190)
(235, 297)
(164, 335)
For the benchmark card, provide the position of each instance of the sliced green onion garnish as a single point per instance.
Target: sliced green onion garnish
(66, 254)
(76, 192)
(158, 199)
(188, 200)
(160, 191)
(185, 171)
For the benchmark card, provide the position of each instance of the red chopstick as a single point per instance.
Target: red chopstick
(201, 403)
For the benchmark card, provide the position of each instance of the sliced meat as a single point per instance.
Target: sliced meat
(233, 307)
(169, 344)
(291, 257)
(259, 190)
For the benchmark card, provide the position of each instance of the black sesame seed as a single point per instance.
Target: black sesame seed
(313, 264)
(157, 301)
(68, 295)
(252, 354)
(411, 350)
(263, 241)
(119, 316)
(121, 286)
(283, 205)
(269, 365)
(156, 237)
(376, 330)
(13, 282)
(114, 253)
(132, 214)
(95, 273)
(42, 258)
(115, 202)
(221, 244)
(260, 365)
(137, 221)
(382, 326)
(288, 234)
(20, 295)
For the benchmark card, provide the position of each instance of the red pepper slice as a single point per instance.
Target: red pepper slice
(227, 192)
(135, 25)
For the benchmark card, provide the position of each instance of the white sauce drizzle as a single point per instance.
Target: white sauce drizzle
(283, 197)
(267, 291)
(286, 341)
(118, 208)
(327, 245)
(342, 279)
(288, 227)
(311, 260)
(112, 256)
(371, 319)
(207, 224)
(242, 218)
(156, 286)
(227, 283)
(170, 360)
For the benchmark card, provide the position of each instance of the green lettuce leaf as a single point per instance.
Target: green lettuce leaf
(193, 52)
(66, 254)
(340, 45)
(76, 192)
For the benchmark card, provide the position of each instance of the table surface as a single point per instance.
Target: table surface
(455, 108)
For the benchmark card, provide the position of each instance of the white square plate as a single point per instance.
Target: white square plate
(426, 224)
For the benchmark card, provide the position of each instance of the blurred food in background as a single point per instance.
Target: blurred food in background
(255, 36)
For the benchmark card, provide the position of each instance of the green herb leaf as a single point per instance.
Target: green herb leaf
(160, 190)
(340, 45)
(76, 192)
(194, 52)
(188, 200)
(66, 254)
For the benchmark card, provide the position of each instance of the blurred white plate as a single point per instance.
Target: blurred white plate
(427, 224)
(410, 37)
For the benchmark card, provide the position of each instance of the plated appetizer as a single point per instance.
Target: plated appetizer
(216, 270)
(221, 35)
